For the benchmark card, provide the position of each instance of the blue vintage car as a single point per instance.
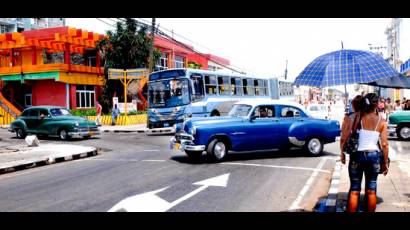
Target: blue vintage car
(255, 125)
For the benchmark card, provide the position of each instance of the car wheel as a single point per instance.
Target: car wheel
(403, 132)
(20, 133)
(217, 150)
(195, 155)
(314, 146)
(63, 135)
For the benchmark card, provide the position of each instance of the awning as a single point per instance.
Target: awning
(71, 78)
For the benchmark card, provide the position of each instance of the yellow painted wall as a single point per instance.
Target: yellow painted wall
(122, 120)
(27, 57)
(5, 117)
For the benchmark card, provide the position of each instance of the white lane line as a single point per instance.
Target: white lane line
(106, 159)
(154, 160)
(280, 166)
(296, 204)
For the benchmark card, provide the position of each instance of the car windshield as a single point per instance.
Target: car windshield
(168, 93)
(240, 110)
(59, 112)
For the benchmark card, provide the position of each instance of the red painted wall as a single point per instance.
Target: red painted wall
(73, 99)
(49, 92)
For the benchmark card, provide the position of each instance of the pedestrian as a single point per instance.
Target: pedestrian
(397, 106)
(407, 105)
(354, 110)
(369, 159)
(381, 107)
(115, 114)
(98, 113)
(388, 108)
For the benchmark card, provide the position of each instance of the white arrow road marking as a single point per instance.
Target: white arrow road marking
(150, 202)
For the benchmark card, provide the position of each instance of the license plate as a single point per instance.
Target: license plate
(176, 147)
(90, 133)
(166, 125)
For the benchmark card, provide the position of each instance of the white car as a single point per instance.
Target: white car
(319, 111)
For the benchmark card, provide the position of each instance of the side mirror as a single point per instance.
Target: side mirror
(253, 117)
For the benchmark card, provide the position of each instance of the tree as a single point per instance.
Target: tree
(125, 48)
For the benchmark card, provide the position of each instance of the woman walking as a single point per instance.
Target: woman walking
(370, 159)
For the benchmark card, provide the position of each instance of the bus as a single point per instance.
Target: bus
(177, 94)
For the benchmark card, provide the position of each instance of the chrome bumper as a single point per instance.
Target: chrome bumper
(391, 129)
(185, 145)
(85, 133)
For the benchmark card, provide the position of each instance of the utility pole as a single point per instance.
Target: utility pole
(151, 46)
(286, 69)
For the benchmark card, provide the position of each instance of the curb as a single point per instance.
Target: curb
(48, 161)
(124, 131)
(147, 131)
(331, 200)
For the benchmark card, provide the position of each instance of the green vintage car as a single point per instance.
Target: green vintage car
(52, 120)
(399, 124)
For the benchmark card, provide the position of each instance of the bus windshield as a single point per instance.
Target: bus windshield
(168, 93)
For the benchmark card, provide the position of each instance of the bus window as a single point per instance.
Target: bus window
(223, 85)
(256, 84)
(210, 84)
(238, 86)
(261, 86)
(197, 87)
(249, 87)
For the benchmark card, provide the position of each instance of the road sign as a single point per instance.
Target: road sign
(150, 202)
(127, 73)
(126, 76)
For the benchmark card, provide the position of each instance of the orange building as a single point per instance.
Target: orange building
(53, 66)
(61, 66)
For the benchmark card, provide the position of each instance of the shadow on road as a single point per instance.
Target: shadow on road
(53, 138)
(244, 156)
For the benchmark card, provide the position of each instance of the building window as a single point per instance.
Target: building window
(178, 62)
(28, 100)
(162, 62)
(3, 29)
(212, 67)
(85, 95)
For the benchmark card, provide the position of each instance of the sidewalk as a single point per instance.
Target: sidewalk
(393, 193)
(18, 157)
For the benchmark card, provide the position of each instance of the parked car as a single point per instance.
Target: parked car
(255, 125)
(52, 120)
(319, 111)
(399, 124)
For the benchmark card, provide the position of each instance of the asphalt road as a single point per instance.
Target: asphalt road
(133, 164)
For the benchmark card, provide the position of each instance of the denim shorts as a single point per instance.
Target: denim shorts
(368, 163)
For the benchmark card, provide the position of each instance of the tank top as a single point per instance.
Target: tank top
(368, 138)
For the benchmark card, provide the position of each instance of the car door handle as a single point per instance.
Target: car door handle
(238, 133)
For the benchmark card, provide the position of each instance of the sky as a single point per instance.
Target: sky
(262, 46)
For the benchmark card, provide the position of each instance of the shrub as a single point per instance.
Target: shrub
(84, 112)
(135, 112)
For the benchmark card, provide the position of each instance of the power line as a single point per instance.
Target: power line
(161, 33)
(105, 22)
(195, 43)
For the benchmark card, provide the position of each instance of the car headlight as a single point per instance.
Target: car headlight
(76, 124)
(193, 130)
